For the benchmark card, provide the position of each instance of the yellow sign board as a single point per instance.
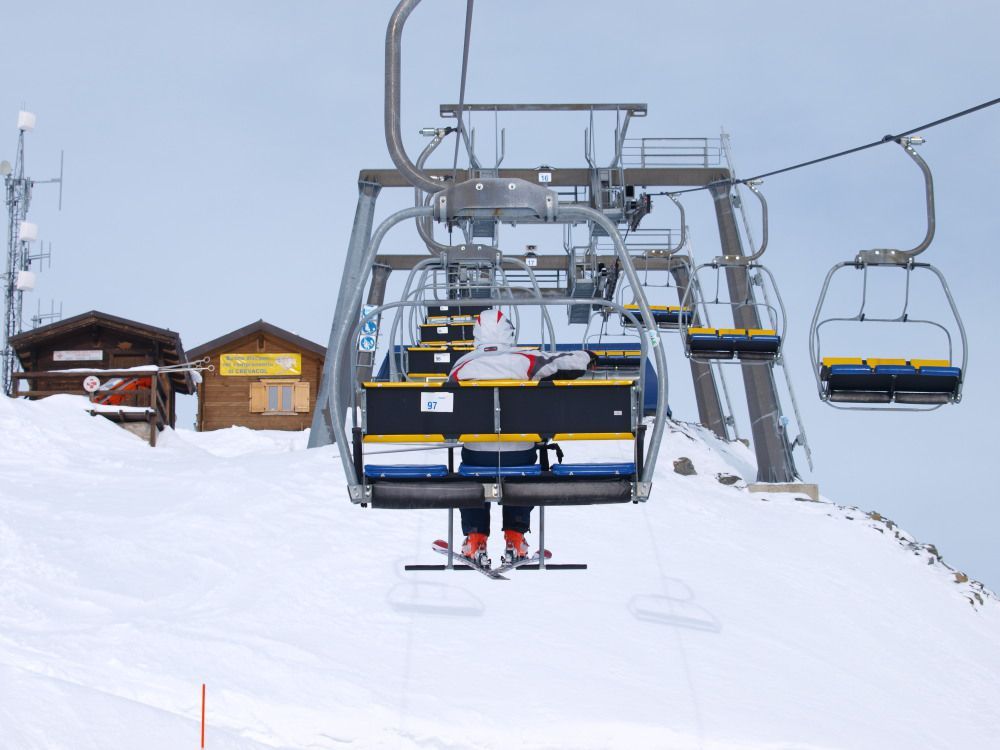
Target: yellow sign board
(257, 365)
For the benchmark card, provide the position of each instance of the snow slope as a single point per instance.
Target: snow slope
(709, 618)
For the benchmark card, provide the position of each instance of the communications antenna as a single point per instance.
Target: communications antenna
(18, 277)
(41, 318)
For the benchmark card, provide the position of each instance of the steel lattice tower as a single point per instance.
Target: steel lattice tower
(18, 258)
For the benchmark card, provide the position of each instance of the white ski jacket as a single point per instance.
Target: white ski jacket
(496, 358)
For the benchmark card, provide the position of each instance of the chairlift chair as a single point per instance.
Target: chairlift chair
(666, 317)
(916, 382)
(741, 344)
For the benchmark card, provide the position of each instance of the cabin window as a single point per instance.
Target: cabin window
(279, 397)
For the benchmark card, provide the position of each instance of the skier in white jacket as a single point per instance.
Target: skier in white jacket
(496, 358)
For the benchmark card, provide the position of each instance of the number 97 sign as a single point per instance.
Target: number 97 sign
(437, 401)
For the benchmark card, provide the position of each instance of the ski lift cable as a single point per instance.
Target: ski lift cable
(461, 90)
(856, 149)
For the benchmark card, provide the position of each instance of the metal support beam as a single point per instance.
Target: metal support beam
(354, 275)
(570, 177)
(636, 110)
(376, 296)
(774, 460)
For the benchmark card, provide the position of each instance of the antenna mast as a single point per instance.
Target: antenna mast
(18, 278)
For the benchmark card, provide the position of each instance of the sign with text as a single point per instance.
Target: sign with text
(259, 364)
(78, 355)
(439, 401)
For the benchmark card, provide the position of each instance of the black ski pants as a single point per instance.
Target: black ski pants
(477, 520)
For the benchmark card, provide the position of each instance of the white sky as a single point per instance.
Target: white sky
(212, 152)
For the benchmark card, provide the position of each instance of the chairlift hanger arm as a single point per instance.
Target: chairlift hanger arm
(683, 240)
(883, 256)
(907, 144)
(393, 75)
(752, 185)
(425, 226)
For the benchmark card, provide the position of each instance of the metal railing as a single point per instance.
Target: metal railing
(652, 241)
(672, 152)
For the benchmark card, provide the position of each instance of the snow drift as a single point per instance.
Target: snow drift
(710, 617)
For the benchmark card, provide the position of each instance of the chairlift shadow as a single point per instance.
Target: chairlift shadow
(413, 596)
(673, 610)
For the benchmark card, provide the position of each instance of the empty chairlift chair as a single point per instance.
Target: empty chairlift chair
(880, 383)
(749, 344)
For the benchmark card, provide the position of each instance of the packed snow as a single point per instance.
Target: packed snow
(710, 617)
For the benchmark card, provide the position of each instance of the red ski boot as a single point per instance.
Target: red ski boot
(474, 548)
(516, 547)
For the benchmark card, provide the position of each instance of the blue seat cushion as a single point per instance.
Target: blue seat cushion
(948, 372)
(527, 470)
(593, 470)
(850, 370)
(405, 471)
(895, 370)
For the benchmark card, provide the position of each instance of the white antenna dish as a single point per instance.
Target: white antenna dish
(5, 168)
(27, 232)
(25, 281)
(26, 121)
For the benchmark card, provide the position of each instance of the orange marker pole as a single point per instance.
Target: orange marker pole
(203, 714)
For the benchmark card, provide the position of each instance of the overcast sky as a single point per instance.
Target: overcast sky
(212, 151)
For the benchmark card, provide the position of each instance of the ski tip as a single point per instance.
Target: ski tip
(548, 555)
(440, 543)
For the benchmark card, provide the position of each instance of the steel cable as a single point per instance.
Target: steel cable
(461, 90)
(881, 141)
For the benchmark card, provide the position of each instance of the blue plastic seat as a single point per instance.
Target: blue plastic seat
(895, 370)
(930, 379)
(406, 471)
(946, 372)
(850, 370)
(710, 345)
(528, 470)
(594, 470)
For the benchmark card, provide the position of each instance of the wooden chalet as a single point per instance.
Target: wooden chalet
(265, 378)
(108, 348)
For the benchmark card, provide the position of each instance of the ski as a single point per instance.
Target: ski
(441, 546)
(534, 559)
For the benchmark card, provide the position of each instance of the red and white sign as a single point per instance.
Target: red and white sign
(91, 383)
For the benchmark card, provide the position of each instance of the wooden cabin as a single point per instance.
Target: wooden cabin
(108, 348)
(265, 378)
